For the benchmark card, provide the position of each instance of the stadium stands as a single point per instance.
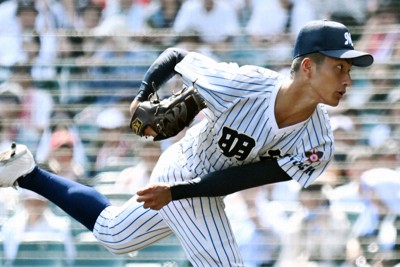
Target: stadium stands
(99, 72)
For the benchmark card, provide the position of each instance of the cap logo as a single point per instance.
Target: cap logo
(347, 38)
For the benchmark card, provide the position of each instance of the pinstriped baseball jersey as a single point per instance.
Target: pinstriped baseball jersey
(239, 128)
(240, 125)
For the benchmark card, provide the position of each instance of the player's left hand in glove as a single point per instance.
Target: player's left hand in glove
(167, 117)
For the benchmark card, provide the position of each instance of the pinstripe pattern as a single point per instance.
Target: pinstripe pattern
(240, 115)
(200, 223)
(129, 228)
(242, 98)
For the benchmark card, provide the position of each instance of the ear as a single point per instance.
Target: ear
(307, 66)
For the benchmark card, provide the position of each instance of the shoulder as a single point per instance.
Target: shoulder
(258, 71)
(204, 64)
(195, 57)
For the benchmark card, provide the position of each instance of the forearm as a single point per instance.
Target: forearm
(162, 69)
(228, 181)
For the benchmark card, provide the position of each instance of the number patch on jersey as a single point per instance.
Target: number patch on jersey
(234, 144)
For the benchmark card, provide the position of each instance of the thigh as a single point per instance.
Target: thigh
(200, 223)
(204, 231)
(129, 228)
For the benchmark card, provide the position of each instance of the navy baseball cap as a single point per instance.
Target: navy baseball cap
(332, 39)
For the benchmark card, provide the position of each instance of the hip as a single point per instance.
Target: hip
(170, 167)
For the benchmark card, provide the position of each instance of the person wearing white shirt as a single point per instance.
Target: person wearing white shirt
(35, 221)
(204, 17)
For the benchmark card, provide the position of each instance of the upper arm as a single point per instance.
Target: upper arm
(222, 84)
(313, 153)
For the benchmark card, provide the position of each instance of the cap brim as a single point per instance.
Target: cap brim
(360, 59)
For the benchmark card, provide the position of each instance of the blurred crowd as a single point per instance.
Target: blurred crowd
(69, 70)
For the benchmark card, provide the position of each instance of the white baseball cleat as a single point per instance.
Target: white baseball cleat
(14, 163)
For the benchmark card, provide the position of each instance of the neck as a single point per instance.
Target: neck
(293, 104)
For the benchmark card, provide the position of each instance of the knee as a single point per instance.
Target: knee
(119, 248)
(116, 251)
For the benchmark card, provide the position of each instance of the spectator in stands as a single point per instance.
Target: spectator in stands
(258, 236)
(75, 51)
(114, 152)
(72, 71)
(36, 105)
(382, 81)
(61, 156)
(19, 20)
(381, 187)
(351, 13)
(131, 12)
(163, 14)
(383, 134)
(35, 221)
(51, 18)
(42, 70)
(52, 15)
(120, 62)
(242, 8)
(347, 196)
(76, 54)
(316, 233)
(131, 179)
(371, 194)
(204, 17)
(345, 133)
(10, 113)
(274, 32)
(74, 8)
(377, 88)
(88, 17)
(15, 19)
(373, 97)
(263, 28)
(162, 17)
(62, 120)
(381, 33)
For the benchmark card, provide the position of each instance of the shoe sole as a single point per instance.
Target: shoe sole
(15, 170)
(12, 154)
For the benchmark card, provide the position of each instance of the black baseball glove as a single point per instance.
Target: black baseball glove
(167, 117)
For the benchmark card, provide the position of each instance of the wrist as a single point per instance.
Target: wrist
(134, 105)
(181, 190)
(144, 93)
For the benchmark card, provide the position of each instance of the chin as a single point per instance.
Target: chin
(333, 103)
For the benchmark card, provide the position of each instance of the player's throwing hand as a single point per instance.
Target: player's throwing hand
(155, 196)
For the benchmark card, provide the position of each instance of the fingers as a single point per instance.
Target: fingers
(149, 199)
(145, 195)
(148, 203)
(155, 196)
(143, 191)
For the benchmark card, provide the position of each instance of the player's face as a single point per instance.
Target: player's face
(330, 80)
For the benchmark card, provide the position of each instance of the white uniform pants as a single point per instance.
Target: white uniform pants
(200, 224)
